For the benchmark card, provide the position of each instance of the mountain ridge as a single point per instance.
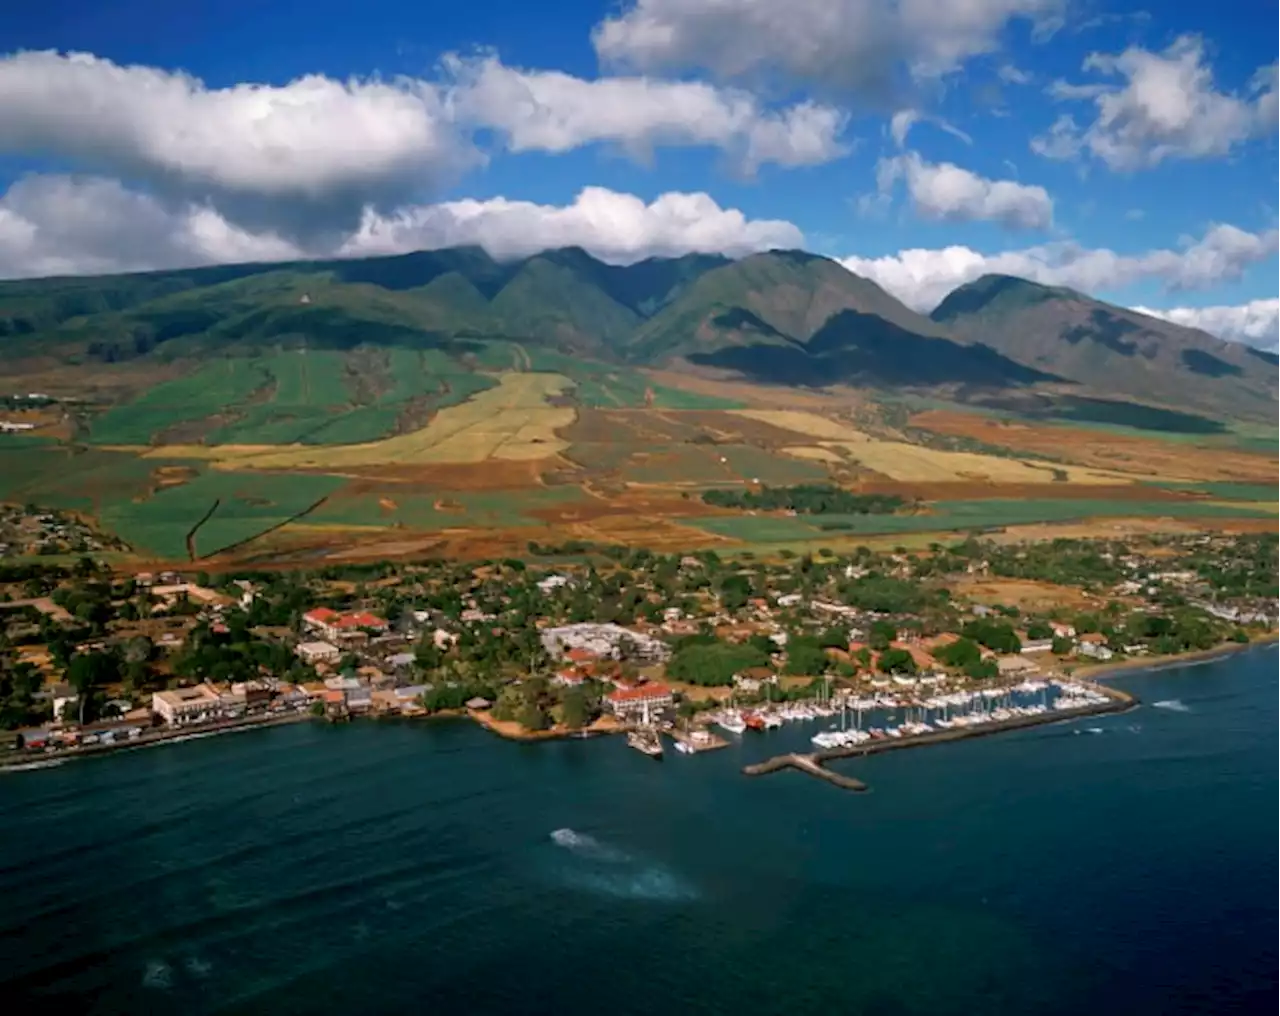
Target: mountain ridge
(779, 317)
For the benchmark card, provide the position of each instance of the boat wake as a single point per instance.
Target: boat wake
(587, 846)
(1173, 705)
(608, 871)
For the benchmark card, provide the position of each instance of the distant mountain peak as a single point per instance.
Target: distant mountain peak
(998, 293)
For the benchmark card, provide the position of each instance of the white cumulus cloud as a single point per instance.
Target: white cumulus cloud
(62, 225)
(1256, 323)
(864, 45)
(1167, 106)
(551, 111)
(309, 137)
(922, 277)
(946, 192)
(615, 227)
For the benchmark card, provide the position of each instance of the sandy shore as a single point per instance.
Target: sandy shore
(513, 731)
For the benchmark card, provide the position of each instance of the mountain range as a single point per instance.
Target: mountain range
(781, 317)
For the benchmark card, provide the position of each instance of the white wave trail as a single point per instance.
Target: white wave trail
(587, 846)
(1173, 705)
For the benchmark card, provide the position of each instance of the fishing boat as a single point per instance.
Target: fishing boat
(684, 748)
(753, 721)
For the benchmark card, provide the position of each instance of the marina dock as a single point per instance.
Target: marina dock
(698, 740)
(814, 763)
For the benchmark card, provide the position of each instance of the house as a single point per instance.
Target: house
(62, 695)
(182, 706)
(1037, 645)
(1094, 646)
(1009, 665)
(478, 703)
(335, 703)
(754, 678)
(920, 656)
(318, 652)
(255, 693)
(1062, 631)
(336, 627)
(790, 600)
(569, 679)
(553, 582)
(646, 699)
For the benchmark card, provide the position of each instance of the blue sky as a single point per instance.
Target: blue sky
(1125, 150)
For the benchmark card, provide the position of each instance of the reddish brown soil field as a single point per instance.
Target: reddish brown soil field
(496, 474)
(1140, 456)
(975, 491)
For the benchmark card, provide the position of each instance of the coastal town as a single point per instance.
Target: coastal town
(872, 649)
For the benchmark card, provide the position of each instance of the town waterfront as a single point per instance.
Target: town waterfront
(1112, 864)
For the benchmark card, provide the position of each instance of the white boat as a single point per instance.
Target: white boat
(732, 721)
(683, 748)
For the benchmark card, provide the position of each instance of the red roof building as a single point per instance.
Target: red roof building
(334, 625)
(632, 701)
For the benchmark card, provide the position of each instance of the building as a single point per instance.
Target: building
(1037, 645)
(604, 641)
(569, 679)
(182, 706)
(62, 695)
(1008, 665)
(336, 627)
(1094, 646)
(633, 702)
(318, 652)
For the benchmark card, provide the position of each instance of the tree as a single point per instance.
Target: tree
(531, 717)
(1039, 630)
(1062, 646)
(961, 653)
(982, 669)
(896, 661)
(882, 633)
(805, 656)
(574, 708)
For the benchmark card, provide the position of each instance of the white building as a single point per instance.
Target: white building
(318, 652)
(606, 641)
(182, 706)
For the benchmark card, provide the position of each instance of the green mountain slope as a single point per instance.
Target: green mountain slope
(781, 317)
(1111, 349)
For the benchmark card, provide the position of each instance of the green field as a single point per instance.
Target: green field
(959, 515)
(247, 504)
(208, 391)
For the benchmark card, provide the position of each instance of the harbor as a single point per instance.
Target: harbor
(1074, 701)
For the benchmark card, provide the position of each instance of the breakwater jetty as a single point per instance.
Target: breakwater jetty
(815, 763)
(806, 764)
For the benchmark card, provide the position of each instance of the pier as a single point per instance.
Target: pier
(814, 763)
(811, 764)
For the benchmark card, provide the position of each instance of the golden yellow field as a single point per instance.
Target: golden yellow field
(914, 464)
(511, 421)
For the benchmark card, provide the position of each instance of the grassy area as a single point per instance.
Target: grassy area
(208, 391)
(1227, 491)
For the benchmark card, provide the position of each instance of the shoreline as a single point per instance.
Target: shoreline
(155, 738)
(1104, 671)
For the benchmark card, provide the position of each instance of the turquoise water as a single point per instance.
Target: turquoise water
(430, 867)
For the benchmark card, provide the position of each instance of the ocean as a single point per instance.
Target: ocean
(1121, 864)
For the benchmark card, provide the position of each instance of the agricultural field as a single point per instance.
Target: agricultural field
(899, 460)
(947, 516)
(1146, 456)
(206, 393)
(441, 509)
(216, 510)
(511, 421)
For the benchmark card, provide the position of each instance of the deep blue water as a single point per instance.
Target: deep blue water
(411, 867)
